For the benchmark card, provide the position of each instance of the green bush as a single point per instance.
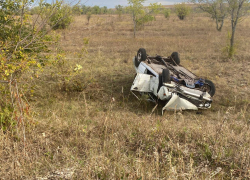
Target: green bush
(145, 19)
(35, 10)
(20, 45)
(182, 10)
(167, 13)
(60, 16)
(76, 10)
(89, 16)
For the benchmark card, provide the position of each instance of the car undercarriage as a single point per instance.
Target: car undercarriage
(164, 79)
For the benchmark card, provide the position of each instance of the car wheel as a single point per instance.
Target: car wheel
(141, 55)
(166, 76)
(176, 57)
(209, 87)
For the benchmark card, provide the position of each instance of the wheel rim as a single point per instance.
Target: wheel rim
(207, 88)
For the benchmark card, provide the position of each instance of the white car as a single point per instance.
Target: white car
(164, 79)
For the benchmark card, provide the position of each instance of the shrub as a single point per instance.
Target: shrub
(60, 15)
(139, 15)
(76, 10)
(167, 13)
(88, 16)
(228, 49)
(145, 19)
(35, 10)
(182, 10)
(20, 44)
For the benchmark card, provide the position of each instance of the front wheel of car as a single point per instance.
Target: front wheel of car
(141, 54)
(209, 87)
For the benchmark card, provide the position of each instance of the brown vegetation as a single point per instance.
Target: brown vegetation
(98, 130)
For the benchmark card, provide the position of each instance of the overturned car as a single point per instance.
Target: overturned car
(164, 79)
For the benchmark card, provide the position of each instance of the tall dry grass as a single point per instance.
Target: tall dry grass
(103, 132)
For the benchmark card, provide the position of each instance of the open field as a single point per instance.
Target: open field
(100, 131)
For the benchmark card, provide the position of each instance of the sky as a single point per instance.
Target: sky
(113, 3)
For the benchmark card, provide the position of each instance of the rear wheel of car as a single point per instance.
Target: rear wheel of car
(166, 76)
(141, 55)
(209, 87)
(176, 57)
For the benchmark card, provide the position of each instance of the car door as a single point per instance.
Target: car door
(145, 83)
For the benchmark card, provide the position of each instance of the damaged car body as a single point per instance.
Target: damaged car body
(164, 79)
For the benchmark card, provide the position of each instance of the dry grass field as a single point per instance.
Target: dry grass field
(101, 131)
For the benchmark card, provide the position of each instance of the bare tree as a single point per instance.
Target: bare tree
(236, 9)
(220, 9)
(216, 8)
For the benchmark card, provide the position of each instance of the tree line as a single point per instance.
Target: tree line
(83, 9)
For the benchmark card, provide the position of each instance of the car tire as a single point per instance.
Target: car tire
(160, 82)
(211, 85)
(176, 57)
(137, 63)
(141, 55)
(166, 76)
